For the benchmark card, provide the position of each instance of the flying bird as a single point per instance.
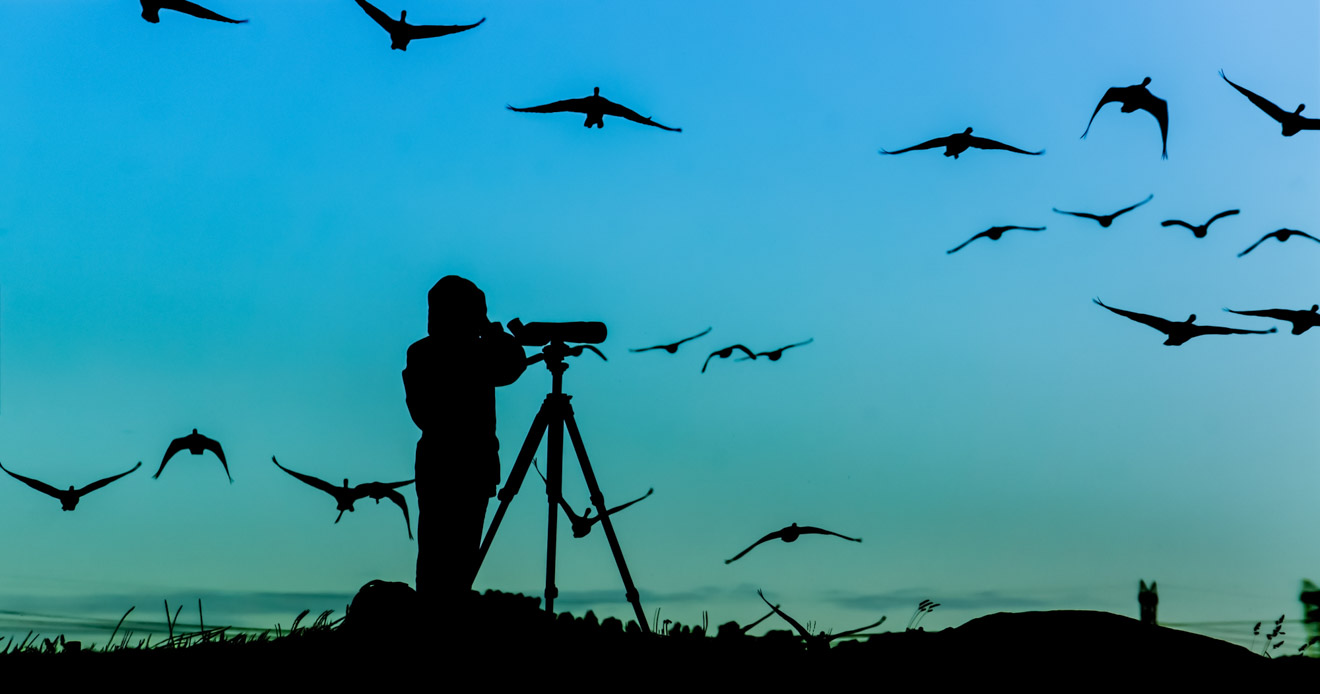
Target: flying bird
(958, 143)
(151, 11)
(725, 354)
(775, 354)
(1292, 123)
(582, 524)
(345, 495)
(1280, 234)
(68, 498)
(1180, 332)
(821, 640)
(196, 444)
(401, 32)
(1106, 219)
(1133, 98)
(1202, 229)
(993, 233)
(1301, 320)
(596, 107)
(790, 534)
(673, 346)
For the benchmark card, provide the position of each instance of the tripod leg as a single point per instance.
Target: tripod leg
(516, 475)
(554, 484)
(598, 499)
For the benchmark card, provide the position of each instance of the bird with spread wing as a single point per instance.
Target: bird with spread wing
(151, 11)
(673, 346)
(791, 534)
(196, 444)
(1106, 219)
(958, 143)
(993, 233)
(401, 32)
(1280, 234)
(1180, 332)
(596, 107)
(346, 495)
(726, 353)
(582, 524)
(821, 640)
(68, 498)
(1133, 98)
(1292, 123)
(1199, 230)
(1301, 320)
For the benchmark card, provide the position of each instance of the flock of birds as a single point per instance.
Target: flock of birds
(198, 444)
(726, 352)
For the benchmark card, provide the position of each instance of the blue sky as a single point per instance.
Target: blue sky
(233, 228)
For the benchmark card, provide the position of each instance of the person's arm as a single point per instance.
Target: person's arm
(505, 358)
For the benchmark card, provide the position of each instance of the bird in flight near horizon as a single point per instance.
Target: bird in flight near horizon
(1292, 123)
(401, 32)
(958, 143)
(1133, 98)
(1180, 332)
(596, 107)
(151, 11)
(791, 534)
(196, 444)
(1280, 234)
(68, 498)
(673, 346)
(582, 524)
(1199, 231)
(817, 640)
(993, 233)
(345, 495)
(1106, 219)
(1301, 320)
(775, 354)
(726, 353)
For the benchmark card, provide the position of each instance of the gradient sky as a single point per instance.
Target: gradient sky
(234, 228)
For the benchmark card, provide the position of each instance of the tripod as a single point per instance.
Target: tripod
(553, 418)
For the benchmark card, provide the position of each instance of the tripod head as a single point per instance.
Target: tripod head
(551, 338)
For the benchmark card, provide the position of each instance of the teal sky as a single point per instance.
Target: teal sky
(234, 228)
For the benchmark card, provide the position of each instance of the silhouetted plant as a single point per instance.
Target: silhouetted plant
(923, 608)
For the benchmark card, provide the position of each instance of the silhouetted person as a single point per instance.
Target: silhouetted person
(346, 495)
(196, 444)
(725, 354)
(993, 233)
(1280, 234)
(68, 498)
(450, 382)
(1133, 98)
(958, 143)
(1149, 599)
(673, 346)
(776, 354)
(401, 32)
(582, 524)
(1199, 231)
(790, 534)
(1292, 123)
(1301, 320)
(151, 11)
(596, 107)
(1180, 332)
(1106, 219)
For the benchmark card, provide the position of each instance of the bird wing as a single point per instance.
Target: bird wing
(928, 144)
(822, 531)
(402, 503)
(574, 105)
(214, 446)
(800, 629)
(175, 446)
(1023, 228)
(1125, 210)
(1225, 213)
(850, 632)
(1179, 222)
(1160, 324)
(985, 143)
(1087, 215)
(647, 349)
(1111, 94)
(381, 18)
(772, 536)
(430, 31)
(1219, 330)
(1275, 313)
(1305, 235)
(197, 11)
(960, 246)
(568, 510)
(620, 507)
(101, 483)
(314, 481)
(807, 341)
(687, 339)
(613, 109)
(1261, 102)
(1160, 109)
(35, 484)
(1252, 247)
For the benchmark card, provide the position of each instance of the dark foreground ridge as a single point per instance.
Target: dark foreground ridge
(507, 638)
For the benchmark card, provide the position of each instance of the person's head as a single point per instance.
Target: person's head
(457, 307)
